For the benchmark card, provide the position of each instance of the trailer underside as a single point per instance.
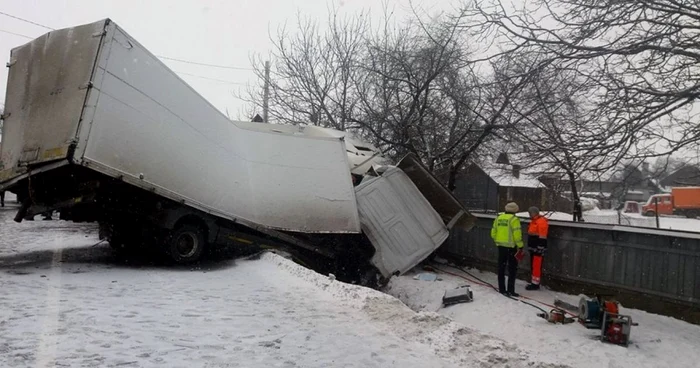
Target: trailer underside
(131, 219)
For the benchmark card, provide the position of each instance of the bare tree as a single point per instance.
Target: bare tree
(399, 85)
(311, 80)
(644, 56)
(2, 111)
(558, 132)
(408, 87)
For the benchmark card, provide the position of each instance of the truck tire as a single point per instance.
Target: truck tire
(650, 214)
(186, 244)
(691, 214)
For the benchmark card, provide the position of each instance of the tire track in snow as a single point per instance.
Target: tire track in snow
(46, 351)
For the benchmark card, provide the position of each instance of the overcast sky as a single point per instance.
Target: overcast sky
(217, 32)
(204, 31)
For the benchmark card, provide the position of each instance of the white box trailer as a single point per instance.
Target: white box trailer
(95, 126)
(93, 96)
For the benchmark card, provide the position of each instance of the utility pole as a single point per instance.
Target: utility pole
(266, 92)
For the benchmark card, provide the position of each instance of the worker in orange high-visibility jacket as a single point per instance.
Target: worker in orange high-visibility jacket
(537, 233)
(507, 235)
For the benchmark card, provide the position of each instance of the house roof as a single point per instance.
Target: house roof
(503, 176)
(687, 175)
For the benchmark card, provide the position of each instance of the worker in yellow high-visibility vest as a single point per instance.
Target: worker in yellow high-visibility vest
(508, 236)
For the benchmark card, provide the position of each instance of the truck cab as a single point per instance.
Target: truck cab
(661, 204)
(683, 201)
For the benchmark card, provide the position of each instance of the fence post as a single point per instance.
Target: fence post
(619, 217)
(656, 204)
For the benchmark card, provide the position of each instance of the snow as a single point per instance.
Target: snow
(610, 217)
(503, 176)
(593, 194)
(588, 204)
(658, 341)
(69, 301)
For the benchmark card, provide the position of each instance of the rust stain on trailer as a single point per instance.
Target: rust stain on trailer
(56, 152)
(240, 240)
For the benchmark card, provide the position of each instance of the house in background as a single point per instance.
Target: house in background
(686, 176)
(636, 184)
(491, 187)
(629, 183)
(600, 190)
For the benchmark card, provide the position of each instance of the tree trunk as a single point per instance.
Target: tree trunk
(575, 196)
(452, 178)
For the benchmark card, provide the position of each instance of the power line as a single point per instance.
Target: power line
(27, 21)
(205, 64)
(208, 78)
(160, 56)
(15, 34)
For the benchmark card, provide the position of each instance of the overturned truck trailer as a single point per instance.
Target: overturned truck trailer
(97, 128)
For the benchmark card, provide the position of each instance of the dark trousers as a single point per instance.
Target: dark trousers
(2, 198)
(506, 259)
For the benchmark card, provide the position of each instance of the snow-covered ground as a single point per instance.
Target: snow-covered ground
(67, 301)
(610, 217)
(658, 341)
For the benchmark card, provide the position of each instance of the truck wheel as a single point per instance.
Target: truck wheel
(186, 244)
(691, 214)
(649, 214)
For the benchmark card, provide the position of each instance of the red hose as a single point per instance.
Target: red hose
(493, 287)
(466, 278)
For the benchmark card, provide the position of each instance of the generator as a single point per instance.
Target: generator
(598, 313)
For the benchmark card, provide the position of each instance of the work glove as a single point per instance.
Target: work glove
(520, 254)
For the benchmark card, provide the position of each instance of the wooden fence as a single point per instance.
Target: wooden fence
(656, 264)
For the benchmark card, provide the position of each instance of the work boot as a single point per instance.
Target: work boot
(513, 294)
(532, 287)
(503, 292)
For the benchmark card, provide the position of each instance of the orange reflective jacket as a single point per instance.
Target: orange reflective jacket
(539, 227)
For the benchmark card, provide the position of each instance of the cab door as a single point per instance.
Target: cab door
(666, 205)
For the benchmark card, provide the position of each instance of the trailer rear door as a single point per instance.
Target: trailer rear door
(46, 90)
(399, 222)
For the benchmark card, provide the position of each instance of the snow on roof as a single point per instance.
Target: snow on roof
(591, 194)
(503, 176)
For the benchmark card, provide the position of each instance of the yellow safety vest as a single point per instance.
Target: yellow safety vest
(506, 231)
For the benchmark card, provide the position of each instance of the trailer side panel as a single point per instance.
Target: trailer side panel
(153, 130)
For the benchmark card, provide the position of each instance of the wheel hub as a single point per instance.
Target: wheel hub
(186, 245)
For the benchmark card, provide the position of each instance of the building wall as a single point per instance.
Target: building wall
(479, 192)
(687, 176)
(476, 190)
(542, 198)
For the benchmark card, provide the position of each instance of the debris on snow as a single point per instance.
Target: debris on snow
(652, 343)
(462, 294)
(425, 276)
